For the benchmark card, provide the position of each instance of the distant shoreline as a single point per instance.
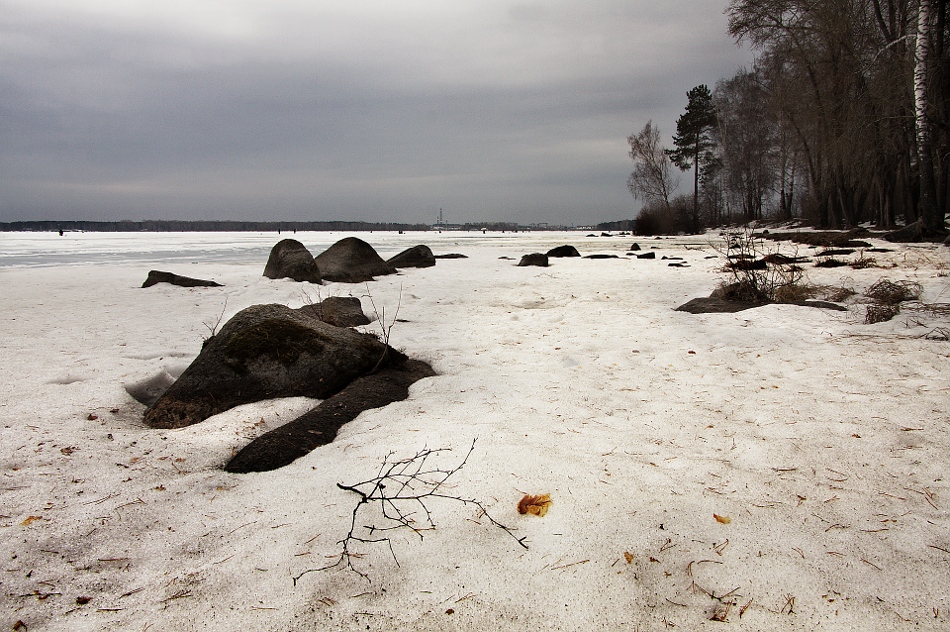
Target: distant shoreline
(181, 226)
(207, 226)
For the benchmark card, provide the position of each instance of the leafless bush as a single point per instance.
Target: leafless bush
(863, 262)
(755, 273)
(881, 312)
(212, 327)
(887, 292)
(836, 294)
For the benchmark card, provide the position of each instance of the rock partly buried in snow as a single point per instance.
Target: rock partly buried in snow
(318, 427)
(647, 255)
(635, 247)
(263, 352)
(601, 256)
(564, 251)
(534, 259)
(157, 276)
(149, 390)
(730, 299)
(416, 257)
(352, 260)
(452, 255)
(339, 311)
(290, 259)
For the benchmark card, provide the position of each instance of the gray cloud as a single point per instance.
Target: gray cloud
(305, 110)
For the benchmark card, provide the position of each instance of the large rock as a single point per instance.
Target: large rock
(352, 260)
(263, 352)
(290, 259)
(157, 276)
(319, 426)
(563, 251)
(340, 311)
(534, 259)
(416, 257)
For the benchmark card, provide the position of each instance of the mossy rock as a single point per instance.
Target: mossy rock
(264, 352)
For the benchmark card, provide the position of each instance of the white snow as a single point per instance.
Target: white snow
(824, 440)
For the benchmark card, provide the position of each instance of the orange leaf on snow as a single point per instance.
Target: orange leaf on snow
(628, 556)
(722, 519)
(537, 505)
(31, 519)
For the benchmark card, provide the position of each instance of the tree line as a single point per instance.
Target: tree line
(177, 226)
(841, 120)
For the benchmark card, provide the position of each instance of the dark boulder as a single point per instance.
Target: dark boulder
(416, 257)
(157, 276)
(319, 426)
(339, 311)
(563, 251)
(452, 255)
(601, 256)
(647, 255)
(263, 352)
(635, 247)
(715, 305)
(290, 259)
(534, 259)
(352, 260)
(748, 264)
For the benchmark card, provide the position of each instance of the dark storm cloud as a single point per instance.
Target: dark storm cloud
(491, 110)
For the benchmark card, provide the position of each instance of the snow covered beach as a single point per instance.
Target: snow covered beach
(820, 442)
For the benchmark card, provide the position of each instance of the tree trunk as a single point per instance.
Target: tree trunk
(925, 163)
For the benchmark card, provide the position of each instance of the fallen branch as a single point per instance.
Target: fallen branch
(402, 488)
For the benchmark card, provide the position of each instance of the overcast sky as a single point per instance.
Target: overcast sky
(492, 110)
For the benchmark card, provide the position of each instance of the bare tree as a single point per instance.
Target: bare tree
(652, 179)
(747, 138)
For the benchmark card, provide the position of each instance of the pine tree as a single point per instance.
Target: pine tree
(693, 141)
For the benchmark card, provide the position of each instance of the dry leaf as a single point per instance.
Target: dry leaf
(31, 519)
(537, 505)
(722, 519)
(628, 556)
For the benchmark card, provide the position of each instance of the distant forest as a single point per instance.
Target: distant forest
(174, 226)
(843, 118)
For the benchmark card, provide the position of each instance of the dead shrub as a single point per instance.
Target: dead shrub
(795, 293)
(887, 292)
(881, 312)
(862, 262)
(754, 274)
(831, 262)
(837, 294)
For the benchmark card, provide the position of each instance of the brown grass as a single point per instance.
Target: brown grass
(887, 292)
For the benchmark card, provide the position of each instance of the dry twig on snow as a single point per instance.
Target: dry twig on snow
(402, 488)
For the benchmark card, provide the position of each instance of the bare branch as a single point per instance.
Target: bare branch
(402, 488)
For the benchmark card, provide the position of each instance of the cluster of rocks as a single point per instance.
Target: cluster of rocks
(349, 260)
(269, 351)
(543, 259)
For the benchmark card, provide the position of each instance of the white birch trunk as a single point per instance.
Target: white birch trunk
(928, 203)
